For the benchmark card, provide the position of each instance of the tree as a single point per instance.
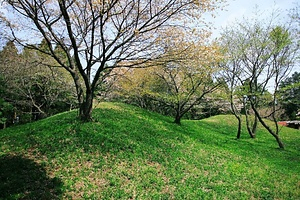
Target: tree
(8, 60)
(99, 35)
(289, 93)
(187, 83)
(136, 86)
(263, 55)
(289, 96)
(48, 90)
(6, 109)
(234, 75)
(32, 88)
(231, 65)
(181, 81)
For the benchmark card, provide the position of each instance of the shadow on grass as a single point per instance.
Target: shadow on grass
(22, 178)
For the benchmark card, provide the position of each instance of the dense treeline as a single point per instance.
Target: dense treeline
(30, 90)
(290, 97)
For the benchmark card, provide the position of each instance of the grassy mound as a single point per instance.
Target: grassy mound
(130, 153)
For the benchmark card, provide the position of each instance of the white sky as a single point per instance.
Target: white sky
(237, 9)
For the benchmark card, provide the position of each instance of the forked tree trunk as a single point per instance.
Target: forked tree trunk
(177, 118)
(248, 125)
(180, 112)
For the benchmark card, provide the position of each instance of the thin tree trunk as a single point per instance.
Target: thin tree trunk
(248, 124)
(254, 126)
(238, 135)
(237, 116)
(275, 135)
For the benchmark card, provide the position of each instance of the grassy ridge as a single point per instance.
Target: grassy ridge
(130, 153)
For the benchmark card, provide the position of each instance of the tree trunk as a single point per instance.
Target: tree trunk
(248, 125)
(247, 119)
(177, 118)
(278, 140)
(238, 135)
(86, 108)
(237, 116)
(254, 126)
(85, 103)
(275, 134)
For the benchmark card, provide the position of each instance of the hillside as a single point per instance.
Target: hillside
(130, 153)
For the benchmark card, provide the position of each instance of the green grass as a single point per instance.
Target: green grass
(130, 153)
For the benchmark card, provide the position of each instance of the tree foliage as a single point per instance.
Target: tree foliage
(179, 81)
(290, 96)
(33, 90)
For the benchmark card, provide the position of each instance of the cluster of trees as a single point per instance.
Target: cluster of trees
(97, 36)
(151, 53)
(259, 56)
(290, 97)
(30, 90)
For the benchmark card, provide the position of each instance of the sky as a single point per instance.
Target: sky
(237, 9)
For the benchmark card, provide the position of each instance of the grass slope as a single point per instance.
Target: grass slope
(130, 153)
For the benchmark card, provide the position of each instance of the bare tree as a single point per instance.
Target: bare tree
(231, 70)
(96, 36)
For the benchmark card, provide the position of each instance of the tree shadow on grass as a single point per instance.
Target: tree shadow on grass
(22, 178)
